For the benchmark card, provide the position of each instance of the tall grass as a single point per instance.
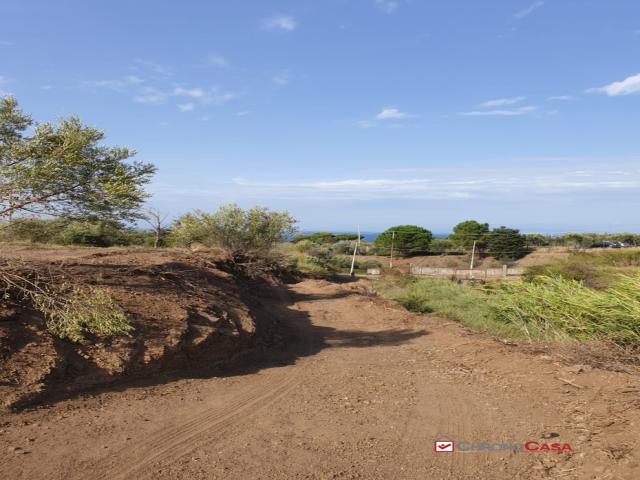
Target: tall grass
(468, 305)
(595, 270)
(546, 307)
(554, 307)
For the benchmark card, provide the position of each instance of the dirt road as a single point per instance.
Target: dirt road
(361, 390)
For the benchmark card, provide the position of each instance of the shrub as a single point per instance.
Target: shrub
(72, 311)
(441, 245)
(408, 240)
(239, 232)
(65, 231)
(370, 264)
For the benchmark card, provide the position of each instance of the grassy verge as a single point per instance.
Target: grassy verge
(544, 308)
(557, 308)
(595, 270)
(468, 305)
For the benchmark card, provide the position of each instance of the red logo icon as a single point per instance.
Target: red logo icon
(444, 446)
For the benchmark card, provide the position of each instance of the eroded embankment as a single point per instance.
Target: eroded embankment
(188, 311)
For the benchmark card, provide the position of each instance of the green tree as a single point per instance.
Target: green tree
(62, 169)
(467, 232)
(505, 243)
(538, 239)
(241, 233)
(406, 239)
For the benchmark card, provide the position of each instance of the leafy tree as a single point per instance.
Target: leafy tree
(317, 237)
(241, 233)
(441, 245)
(538, 239)
(408, 240)
(467, 232)
(326, 237)
(62, 169)
(505, 243)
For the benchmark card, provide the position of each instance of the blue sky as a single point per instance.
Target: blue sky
(522, 112)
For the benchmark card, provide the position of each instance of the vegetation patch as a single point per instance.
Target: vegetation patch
(70, 311)
(544, 308)
(594, 270)
(467, 304)
(553, 307)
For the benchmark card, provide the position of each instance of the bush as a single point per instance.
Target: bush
(325, 237)
(408, 240)
(317, 237)
(370, 264)
(65, 231)
(241, 233)
(73, 311)
(441, 245)
(70, 311)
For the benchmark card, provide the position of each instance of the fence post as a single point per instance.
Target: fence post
(504, 271)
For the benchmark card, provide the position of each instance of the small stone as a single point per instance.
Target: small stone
(550, 435)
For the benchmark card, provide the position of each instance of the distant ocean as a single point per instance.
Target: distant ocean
(368, 236)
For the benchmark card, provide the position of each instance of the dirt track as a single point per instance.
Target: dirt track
(362, 391)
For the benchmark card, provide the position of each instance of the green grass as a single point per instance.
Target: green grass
(468, 305)
(543, 308)
(595, 270)
(553, 307)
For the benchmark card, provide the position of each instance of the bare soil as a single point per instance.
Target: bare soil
(345, 385)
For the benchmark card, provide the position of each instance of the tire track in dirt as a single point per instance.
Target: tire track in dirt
(169, 444)
(178, 441)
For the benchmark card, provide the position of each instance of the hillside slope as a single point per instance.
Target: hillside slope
(187, 310)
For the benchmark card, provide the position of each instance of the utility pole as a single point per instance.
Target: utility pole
(393, 238)
(355, 250)
(473, 256)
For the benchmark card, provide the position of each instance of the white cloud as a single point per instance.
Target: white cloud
(282, 78)
(501, 113)
(624, 87)
(189, 92)
(243, 113)
(115, 85)
(280, 22)
(387, 6)
(217, 97)
(150, 95)
(46, 87)
(186, 107)
(529, 10)
(390, 113)
(7, 43)
(501, 102)
(562, 98)
(441, 185)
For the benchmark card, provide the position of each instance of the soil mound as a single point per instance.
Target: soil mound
(188, 310)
